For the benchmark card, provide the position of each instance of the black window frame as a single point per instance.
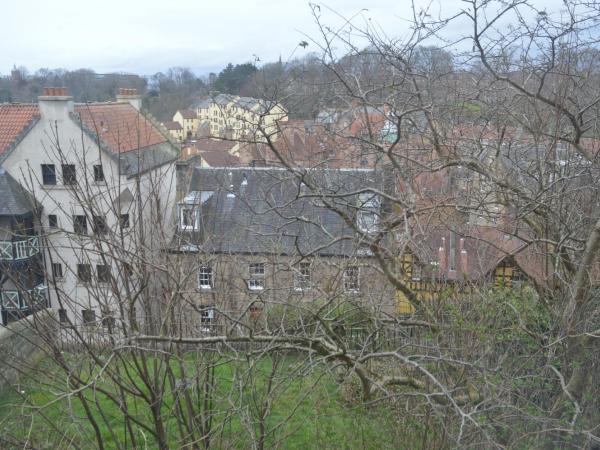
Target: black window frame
(88, 316)
(57, 271)
(48, 174)
(84, 273)
(124, 220)
(100, 226)
(99, 174)
(80, 224)
(69, 174)
(103, 273)
(52, 221)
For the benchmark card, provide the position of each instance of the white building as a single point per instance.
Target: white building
(103, 174)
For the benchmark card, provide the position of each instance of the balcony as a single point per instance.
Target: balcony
(29, 299)
(18, 250)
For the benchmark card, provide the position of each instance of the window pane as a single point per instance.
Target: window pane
(205, 277)
(103, 273)
(84, 273)
(69, 177)
(52, 221)
(89, 316)
(48, 174)
(98, 173)
(351, 279)
(100, 225)
(57, 270)
(80, 224)
(124, 221)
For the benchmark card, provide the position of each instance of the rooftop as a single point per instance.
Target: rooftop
(15, 120)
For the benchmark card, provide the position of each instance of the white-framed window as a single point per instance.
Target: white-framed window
(256, 276)
(188, 217)
(367, 217)
(351, 279)
(207, 315)
(205, 277)
(302, 276)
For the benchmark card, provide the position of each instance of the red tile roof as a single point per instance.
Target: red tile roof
(14, 118)
(120, 126)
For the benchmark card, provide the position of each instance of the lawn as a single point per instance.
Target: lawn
(306, 408)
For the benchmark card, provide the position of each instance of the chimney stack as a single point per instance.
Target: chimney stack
(131, 96)
(55, 103)
(442, 258)
(464, 262)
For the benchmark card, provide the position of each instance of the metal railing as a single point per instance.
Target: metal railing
(13, 300)
(17, 250)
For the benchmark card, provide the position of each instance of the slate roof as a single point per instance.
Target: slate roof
(171, 125)
(16, 201)
(188, 114)
(259, 210)
(15, 120)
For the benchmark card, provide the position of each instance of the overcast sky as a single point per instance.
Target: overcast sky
(146, 36)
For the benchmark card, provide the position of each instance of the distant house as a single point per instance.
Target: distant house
(189, 122)
(255, 237)
(175, 130)
(240, 118)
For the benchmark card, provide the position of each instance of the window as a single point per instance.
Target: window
(127, 269)
(367, 219)
(416, 271)
(68, 174)
(48, 174)
(124, 220)
(256, 279)
(452, 252)
(352, 279)
(302, 277)
(100, 225)
(108, 321)
(89, 316)
(205, 277)
(103, 272)
(98, 173)
(62, 316)
(188, 216)
(207, 314)
(52, 221)
(57, 271)
(80, 224)
(84, 273)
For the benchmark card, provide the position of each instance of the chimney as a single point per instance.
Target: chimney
(55, 103)
(442, 257)
(130, 96)
(464, 262)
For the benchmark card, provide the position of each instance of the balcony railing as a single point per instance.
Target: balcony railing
(25, 299)
(16, 250)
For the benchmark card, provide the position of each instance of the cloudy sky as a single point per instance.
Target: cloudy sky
(148, 36)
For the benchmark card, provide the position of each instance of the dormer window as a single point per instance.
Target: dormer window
(367, 217)
(188, 217)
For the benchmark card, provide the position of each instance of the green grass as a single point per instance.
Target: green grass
(307, 411)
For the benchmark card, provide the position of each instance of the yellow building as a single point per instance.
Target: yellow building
(175, 130)
(460, 264)
(188, 121)
(235, 117)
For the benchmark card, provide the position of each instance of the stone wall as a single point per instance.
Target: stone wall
(23, 345)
